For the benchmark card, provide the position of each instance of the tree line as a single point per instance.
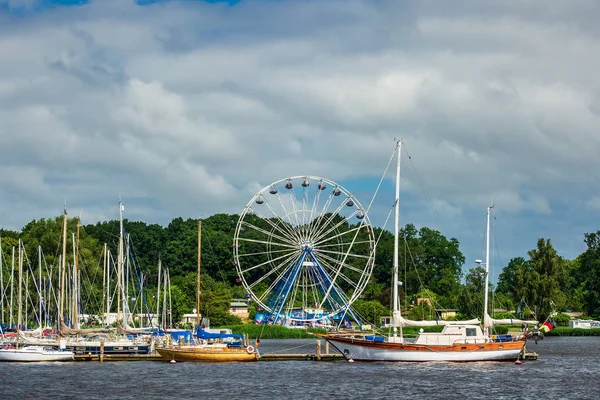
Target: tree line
(431, 267)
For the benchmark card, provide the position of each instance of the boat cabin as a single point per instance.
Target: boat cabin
(453, 334)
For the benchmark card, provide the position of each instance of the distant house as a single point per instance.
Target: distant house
(584, 324)
(574, 314)
(189, 318)
(386, 321)
(239, 307)
(445, 313)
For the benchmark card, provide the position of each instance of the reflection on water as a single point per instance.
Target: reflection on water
(567, 368)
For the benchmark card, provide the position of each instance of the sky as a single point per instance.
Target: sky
(188, 108)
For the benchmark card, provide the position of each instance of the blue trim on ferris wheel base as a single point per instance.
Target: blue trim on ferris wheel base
(340, 298)
(288, 285)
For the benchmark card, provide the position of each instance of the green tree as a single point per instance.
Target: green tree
(371, 311)
(470, 300)
(590, 272)
(542, 280)
(507, 280)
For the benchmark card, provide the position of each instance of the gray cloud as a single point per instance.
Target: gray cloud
(188, 108)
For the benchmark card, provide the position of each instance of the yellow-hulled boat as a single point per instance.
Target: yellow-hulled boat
(217, 352)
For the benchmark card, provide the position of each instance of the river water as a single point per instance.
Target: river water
(567, 368)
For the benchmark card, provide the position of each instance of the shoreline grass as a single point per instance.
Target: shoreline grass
(564, 331)
(254, 331)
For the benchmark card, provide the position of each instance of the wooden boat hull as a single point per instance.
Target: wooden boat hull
(18, 355)
(203, 354)
(366, 350)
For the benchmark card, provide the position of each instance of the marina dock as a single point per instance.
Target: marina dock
(263, 357)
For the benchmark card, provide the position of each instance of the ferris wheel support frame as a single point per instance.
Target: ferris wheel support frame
(283, 293)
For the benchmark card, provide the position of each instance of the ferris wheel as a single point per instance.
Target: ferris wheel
(304, 250)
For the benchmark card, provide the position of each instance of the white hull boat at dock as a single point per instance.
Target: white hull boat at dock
(34, 354)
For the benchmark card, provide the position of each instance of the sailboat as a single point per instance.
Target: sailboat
(458, 341)
(91, 340)
(19, 353)
(209, 347)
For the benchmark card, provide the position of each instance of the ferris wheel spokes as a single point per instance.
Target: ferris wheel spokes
(270, 261)
(341, 275)
(326, 239)
(269, 234)
(321, 246)
(287, 262)
(288, 226)
(320, 226)
(344, 220)
(269, 243)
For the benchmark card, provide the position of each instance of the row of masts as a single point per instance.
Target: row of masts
(69, 299)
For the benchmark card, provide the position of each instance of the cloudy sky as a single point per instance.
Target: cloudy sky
(188, 108)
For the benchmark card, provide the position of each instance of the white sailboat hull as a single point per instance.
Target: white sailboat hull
(360, 350)
(36, 354)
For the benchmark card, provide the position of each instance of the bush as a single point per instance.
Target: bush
(562, 319)
(261, 331)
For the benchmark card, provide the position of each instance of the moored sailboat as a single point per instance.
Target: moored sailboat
(209, 347)
(458, 341)
(20, 353)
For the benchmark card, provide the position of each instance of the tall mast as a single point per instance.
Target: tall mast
(120, 262)
(164, 309)
(396, 230)
(158, 293)
(40, 291)
(76, 279)
(1, 283)
(12, 286)
(20, 290)
(108, 292)
(486, 317)
(170, 303)
(104, 285)
(61, 315)
(126, 309)
(198, 277)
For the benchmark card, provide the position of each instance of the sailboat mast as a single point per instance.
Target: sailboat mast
(198, 277)
(396, 230)
(20, 292)
(61, 317)
(12, 286)
(486, 317)
(1, 283)
(120, 262)
(40, 291)
(104, 284)
(76, 279)
(170, 304)
(158, 293)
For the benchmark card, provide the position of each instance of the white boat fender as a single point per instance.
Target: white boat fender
(350, 360)
(250, 349)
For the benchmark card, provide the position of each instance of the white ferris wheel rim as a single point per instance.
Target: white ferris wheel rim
(365, 273)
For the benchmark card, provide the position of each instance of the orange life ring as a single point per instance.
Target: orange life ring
(250, 349)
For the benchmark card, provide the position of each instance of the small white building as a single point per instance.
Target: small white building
(584, 324)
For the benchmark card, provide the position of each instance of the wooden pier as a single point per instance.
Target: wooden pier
(316, 356)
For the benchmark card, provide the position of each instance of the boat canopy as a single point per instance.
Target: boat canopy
(202, 334)
(401, 321)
